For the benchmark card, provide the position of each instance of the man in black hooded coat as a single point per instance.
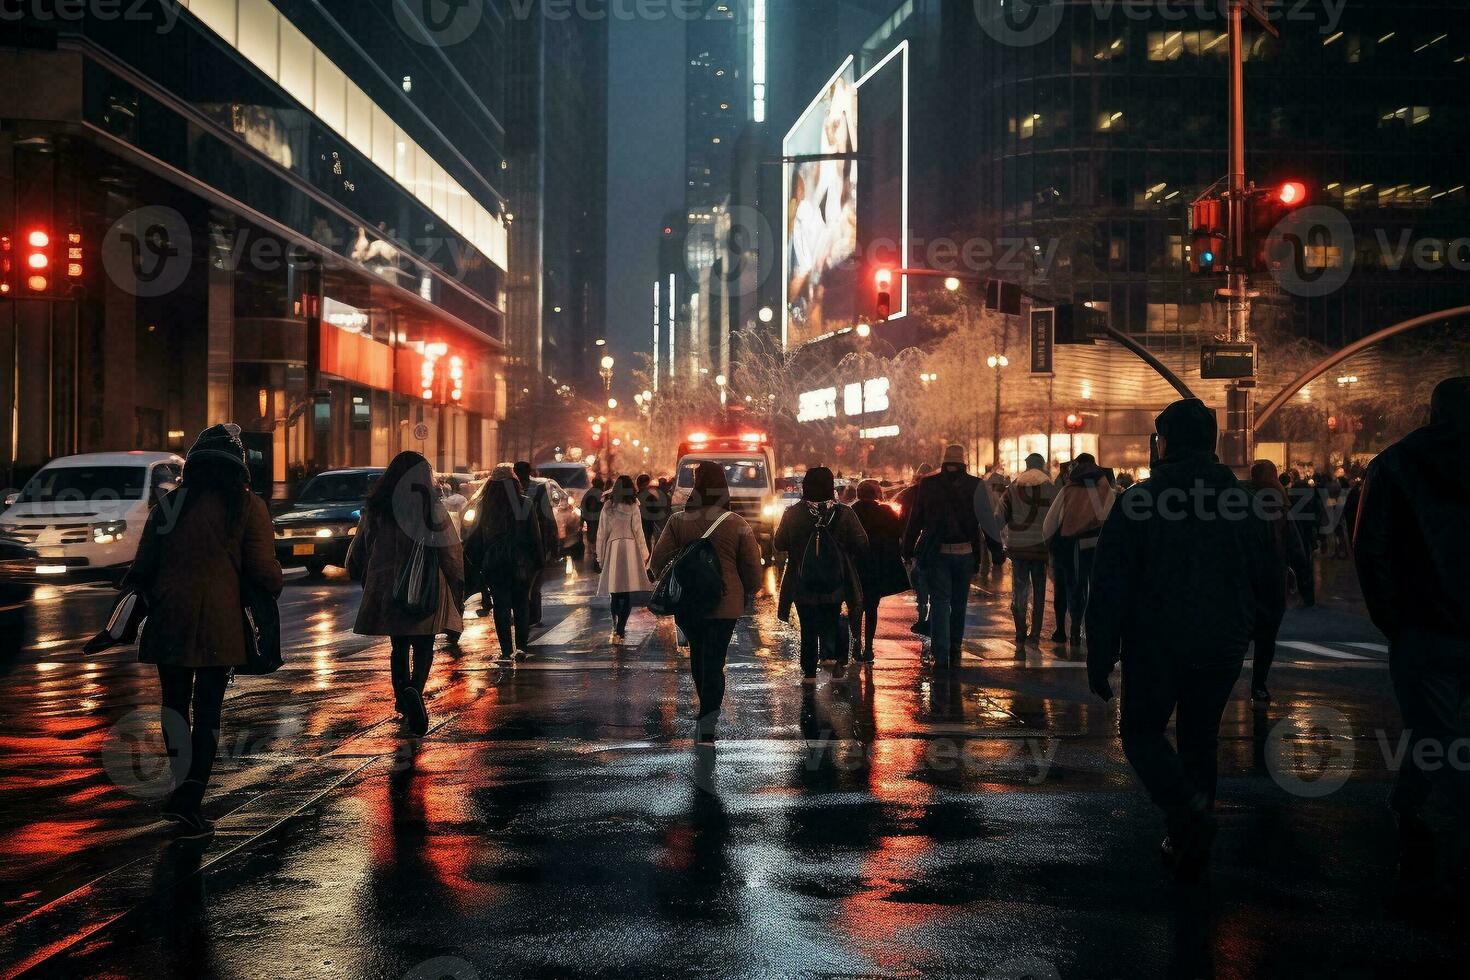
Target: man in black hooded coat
(1413, 523)
(1183, 566)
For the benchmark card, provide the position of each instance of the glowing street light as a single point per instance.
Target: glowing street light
(952, 284)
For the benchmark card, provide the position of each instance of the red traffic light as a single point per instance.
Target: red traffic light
(883, 305)
(1292, 193)
(1074, 422)
(883, 278)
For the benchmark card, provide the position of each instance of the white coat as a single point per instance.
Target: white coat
(622, 550)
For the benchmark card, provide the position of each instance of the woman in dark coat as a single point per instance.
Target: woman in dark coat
(1271, 500)
(503, 549)
(880, 568)
(200, 544)
(819, 612)
(402, 511)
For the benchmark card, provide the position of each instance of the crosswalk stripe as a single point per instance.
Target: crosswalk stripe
(1375, 647)
(1316, 648)
(566, 631)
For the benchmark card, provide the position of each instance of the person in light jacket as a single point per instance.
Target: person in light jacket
(201, 544)
(1077, 515)
(622, 551)
(1023, 509)
(401, 512)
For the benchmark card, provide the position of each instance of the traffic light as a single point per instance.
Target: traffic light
(39, 263)
(1207, 236)
(883, 294)
(6, 255)
(1266, 209)
(35, 260)
(1074, 422)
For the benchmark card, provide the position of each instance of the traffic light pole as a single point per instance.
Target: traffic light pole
(1238, 397)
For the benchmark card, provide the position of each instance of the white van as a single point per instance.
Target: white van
(82, 515)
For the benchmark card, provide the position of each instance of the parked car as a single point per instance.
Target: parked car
(81, 515)
(569, 476)
(317, 529)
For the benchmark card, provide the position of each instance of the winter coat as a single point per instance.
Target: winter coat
(1079, 509)
(951, 507)
(792, 535)
(538, 496)
(622, 550)
(379, 553)
(1023, 511)
(500, 509)
(880, 569)
(191, 578)
(1413, 525)
(734, 542)
(1286, 546)
(1184, 569)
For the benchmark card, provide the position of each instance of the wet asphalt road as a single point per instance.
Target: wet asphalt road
(557, 822)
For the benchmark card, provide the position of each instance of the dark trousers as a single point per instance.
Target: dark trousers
(1028, 582)
(1063, 570)
(511, 604)
(1152, 692)
(591, 542)
(1264, 653)
(868, 627)
(423, 658)
(819, 634)
(1431, 680)
(709, 642)
(191, 741)
(622, 608)
(1081, 587)
(949, 599)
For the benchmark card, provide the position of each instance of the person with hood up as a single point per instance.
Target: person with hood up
(201, 546)
(708, 510)
(1413, 523)
(1023, 509)
(1184, 566)
(503, 554)
(1287, 545)
(821, 540)
(401, 512)
(953, 518)
(1076, 517)
(1308, 516)
(905, 501)
(880, 569)
(622, 551)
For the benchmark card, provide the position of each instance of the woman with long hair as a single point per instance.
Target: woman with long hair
(708, 510)
(503, 548)
(201, 545)
(402, 512)
(622, 552)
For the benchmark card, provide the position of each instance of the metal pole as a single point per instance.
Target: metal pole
(1239, 404)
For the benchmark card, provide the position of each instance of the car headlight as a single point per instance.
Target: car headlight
(108, 532)
(324, 532)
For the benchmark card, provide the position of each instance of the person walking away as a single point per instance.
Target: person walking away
(622, 551)
(1184, 565)
(539, 500)
(1060, 551)
(1077, 515)
(1413, 522)
(402, 513)
(953, 518)
(996, 483)
(591, 514)
(664, 491)
(201, 545)
(1287, 548)
(822, 540)
(905, 501)
(740, 571)
(880, 567)
(1307, 517)
(1023, 510)
(504, 553)
(648, 507)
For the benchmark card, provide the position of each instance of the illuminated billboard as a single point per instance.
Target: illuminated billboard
(829, 226)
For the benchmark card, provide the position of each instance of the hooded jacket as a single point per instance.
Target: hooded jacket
(1023, 509)
(1413, 522)
(1185, 565)
(1081, 507)
(792, 534)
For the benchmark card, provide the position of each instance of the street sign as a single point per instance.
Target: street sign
(421, 431)
(1043, 339)
(1227, 362)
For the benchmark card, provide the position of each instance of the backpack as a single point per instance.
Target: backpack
(693, 584)
(823, 569)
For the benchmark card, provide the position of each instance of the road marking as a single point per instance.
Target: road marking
(1306, 647)
(566, 631)
(1375, 647)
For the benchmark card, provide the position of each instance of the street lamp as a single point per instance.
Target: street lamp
(612, 403)
(766, 314)
(997, 363)
(952, 284)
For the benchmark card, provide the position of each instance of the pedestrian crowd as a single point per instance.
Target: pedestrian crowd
(1170, 580)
